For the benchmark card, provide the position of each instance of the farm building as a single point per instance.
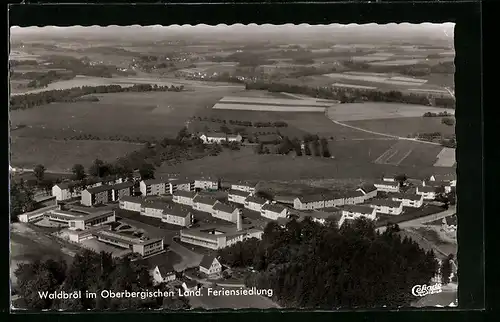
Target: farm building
(177, 216)
(163, 274)
(225, 212)
(144, 247)
(190, 286)
(255, 203)
(130, 203)
(273, 211)
(244, 186)
(207, 184)
(210, 138)
(203, 203)
(408, 199)
(352, 212)
(387, 207)
(95, 196)
(95, 219)
(387, 186)
(210, 265)
(238, 196)
(368, 190)
(184, 197)
(428, 193)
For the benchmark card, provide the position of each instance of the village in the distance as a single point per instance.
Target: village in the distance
(230, 168)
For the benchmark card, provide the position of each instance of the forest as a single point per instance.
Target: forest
(89, 272)
(310, 265)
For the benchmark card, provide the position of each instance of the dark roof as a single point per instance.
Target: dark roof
(204, 200)
(191, 283)
(324, 215)
(359, 209)
(155, 181)
(445, 177)
(131, 199)
(353, 194)
(166, 269)
(407, 196)
(385, 203)
(177, 211)
(223, 207)
(426, 189)
(437, 183)
(311, 198)
(239, 193)
(98, 189)
(451, 220)
(122, 185)
(387, 183)
(256, 200)
(274, 208)
(156, 205)
(69, 184)
(367, 188)
(207, 261)
(187, 194)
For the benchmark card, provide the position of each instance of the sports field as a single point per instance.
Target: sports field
(409, 153)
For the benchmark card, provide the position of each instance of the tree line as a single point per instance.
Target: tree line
(309, 265)
(311, 145)
(93, 273)
(69, 95)
(351, 95)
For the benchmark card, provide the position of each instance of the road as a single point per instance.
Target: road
(22, 170)
(421, 220)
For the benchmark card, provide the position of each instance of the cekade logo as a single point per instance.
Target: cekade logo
(423, 290)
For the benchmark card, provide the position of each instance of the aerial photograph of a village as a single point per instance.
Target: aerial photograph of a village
(232, 167)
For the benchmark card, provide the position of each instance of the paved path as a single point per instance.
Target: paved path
(421, 220)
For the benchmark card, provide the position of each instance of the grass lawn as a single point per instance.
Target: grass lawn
(62, 155)
(405, 126)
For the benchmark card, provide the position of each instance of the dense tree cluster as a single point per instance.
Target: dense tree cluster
(314, 266)
(22, 198)
(93, 273)
(440, 114)
(311, 145)
(68, 95)
(448, 121)
(243, 123)
(84, 67)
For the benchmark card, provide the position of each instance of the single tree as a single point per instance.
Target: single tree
(96, 168)
(446, 269)
(39, 171)
(147, 171)
(78, 172)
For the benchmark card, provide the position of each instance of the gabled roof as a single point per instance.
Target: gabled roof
(166, 269)
(131, 199)
(257, 200)
(191, 283)
(122, 185)
(451, 220)
(98, 189)
(186, 194)
(437, 183)
(365, 210)
(224, 208)
(387, 183)
(154, 181)
(68, 184)
(273, 208)
(311, 198)
(177, 211)
(239, 193)
(367, 188)
(406, 196)
(353, 194)
(218, 135)
(204, 200)
(207, 261)
(385, 203)
(426, 189)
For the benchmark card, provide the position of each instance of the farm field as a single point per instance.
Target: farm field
(272, 104)
(446, 158)
(421, 154)
(371, 110)
(405, 126)
(62, 155)
(379, 78)
(397, 62)
(228, 166)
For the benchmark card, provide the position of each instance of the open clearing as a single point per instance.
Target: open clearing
(405, 126)
(380, 78)
(272, 104)
(400, 62)
(446, 158)
(62, 155)
(369, 111)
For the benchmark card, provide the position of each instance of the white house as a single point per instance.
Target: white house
(130, 203)
(428, 193)
(184, 197)
(451, 178)
(244, 186)
(177, 216)
(225, 212)
(237, 196)
(368, 190)
(255, 203)
(352, 212)
(204, 203)
(163, 274)
(153, 187)
(309, 202)
(321, 217)
(387, 207)
(450, 223)
(387, 186)
(220, 137)
(210, 265)
(408, 199)
(274, 211)
(67, 190)
(153, 209)
(190, 286)
(353, 198)
(206, 184)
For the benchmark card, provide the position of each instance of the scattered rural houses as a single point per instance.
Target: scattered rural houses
(225, 212)
(204, 203)
(255, 203)
(130, 203)
(219, 138)
(163, 274)
(427, 192)
(207, 184)
(210, 265)
(352, 212)
(237, 196)
(408, 199)
(144, 247)
(368, 190)
(184, 197)
(273, 211)
(387, 207)
(387, 186)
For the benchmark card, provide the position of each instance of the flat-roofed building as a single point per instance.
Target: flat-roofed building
(245, 186)
(408, 199)
(144, 247)
(94, 219)
(387, 207)
(225, 212)
(204, 203)
(36, 215)
(77, 236)
(184, 197)
(274, 211)
(177, 216)
(369, 191)
(237, 196)
(130, 203)
(218, 237)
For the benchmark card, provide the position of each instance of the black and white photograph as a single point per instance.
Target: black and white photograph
(198, 167)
